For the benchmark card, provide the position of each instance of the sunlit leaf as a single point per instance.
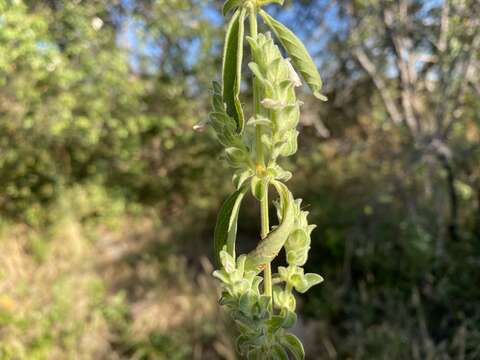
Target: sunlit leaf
(268, 248)
(305, 282)
(265, 2)
(293, 344)
(279, 353)
(229, 5)
(258, 187)
(226, 226)
(232, 66)
(301, 59)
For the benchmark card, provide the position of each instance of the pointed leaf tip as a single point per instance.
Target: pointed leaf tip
(294, 345)
(320, 96)
(229, 5)
(232, 67)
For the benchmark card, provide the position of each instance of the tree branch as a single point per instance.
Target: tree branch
(401, 48)
(380, 84)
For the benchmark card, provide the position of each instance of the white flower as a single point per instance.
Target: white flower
(272, 104)
(97, 23)
(200, 126)
(293, 76)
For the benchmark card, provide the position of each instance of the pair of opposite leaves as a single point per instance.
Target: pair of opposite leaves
(233, 56)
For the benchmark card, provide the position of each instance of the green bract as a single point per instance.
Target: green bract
(280, 108)
(262, 307)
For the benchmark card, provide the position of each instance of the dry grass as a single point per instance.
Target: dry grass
(122, 295)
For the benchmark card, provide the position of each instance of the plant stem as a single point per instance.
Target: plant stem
(256, 93)
(267, 272)
(265, 227)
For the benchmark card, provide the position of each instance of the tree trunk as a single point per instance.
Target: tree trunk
(452, 196)
(477, 213)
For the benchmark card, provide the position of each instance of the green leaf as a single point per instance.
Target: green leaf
(240, 343)
(245, 303)
(282, 321)
(294, 345)
(226, 226)
(235, 157)
(242, 327)
(240, 177)
(256, 71)
(226, 299)
(265, 2)
(255, 354)
(230, 5)
(268, 248)
(221, 275)
(289, 320)
(284, 300)
(298, 53)
(297, 239)
(232, 67)
(297, 246)
(275, 323)
(259, 187)
(279, 352)
(259, 120)
(290, 146)
(241, 263)
(303, 283)
(264, 303)
(228, 261)
(312, 279)
(217, 101)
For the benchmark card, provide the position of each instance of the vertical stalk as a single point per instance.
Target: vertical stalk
(256, 93)
(267, 272)
(260, 160)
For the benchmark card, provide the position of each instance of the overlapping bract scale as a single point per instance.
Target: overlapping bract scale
(280, 108)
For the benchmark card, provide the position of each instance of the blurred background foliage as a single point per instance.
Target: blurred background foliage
(108, 198)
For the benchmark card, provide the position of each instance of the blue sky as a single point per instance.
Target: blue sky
(316, 36)
(148, 48)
